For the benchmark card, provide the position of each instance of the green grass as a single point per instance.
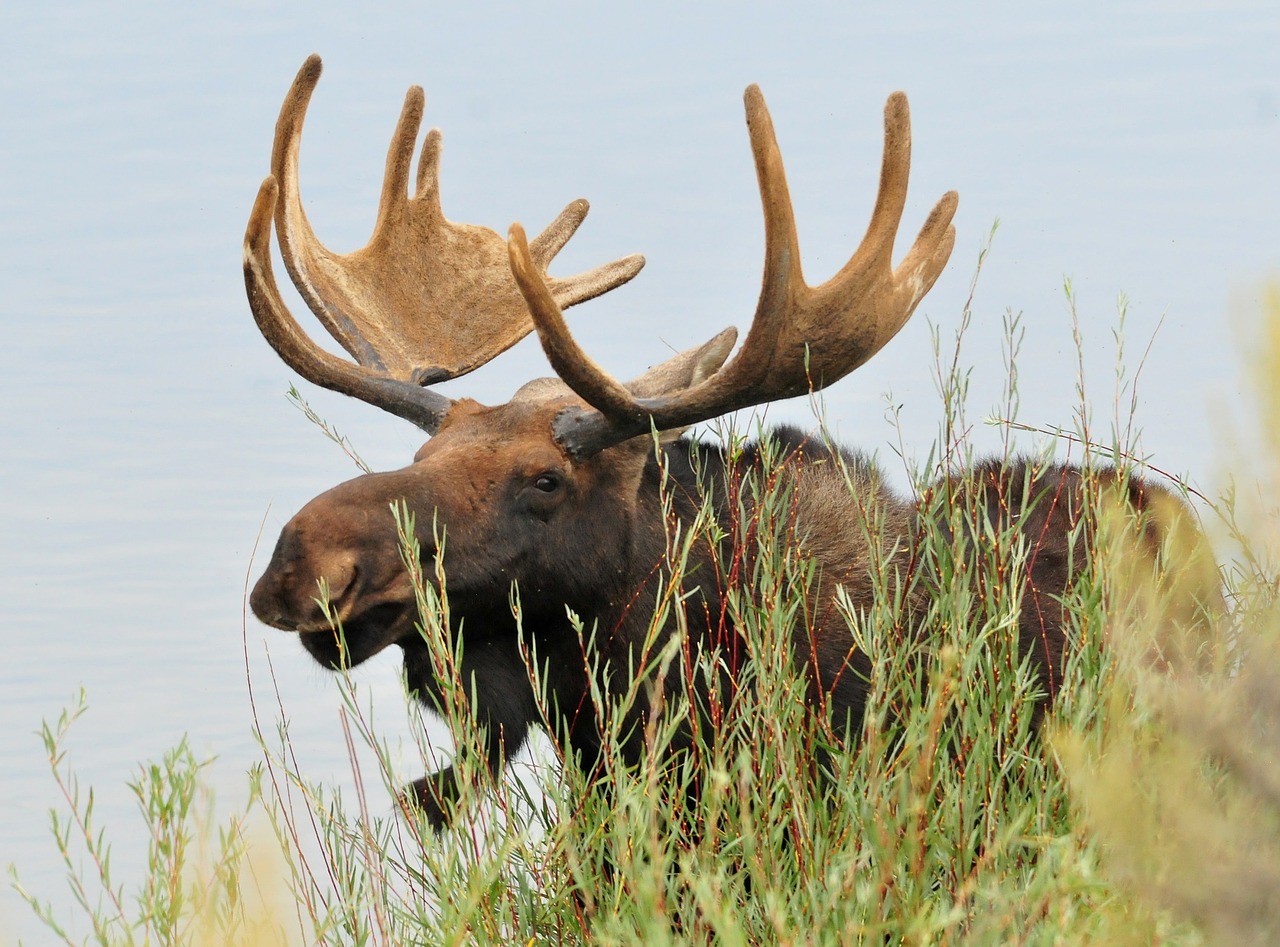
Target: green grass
(1147, 811)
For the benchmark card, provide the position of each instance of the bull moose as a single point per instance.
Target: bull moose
(569, 491)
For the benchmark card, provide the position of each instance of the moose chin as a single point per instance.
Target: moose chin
(569, 491)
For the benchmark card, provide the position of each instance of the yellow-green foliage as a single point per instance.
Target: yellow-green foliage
(1180, 785)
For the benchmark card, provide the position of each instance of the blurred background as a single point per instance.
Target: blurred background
(149, 455)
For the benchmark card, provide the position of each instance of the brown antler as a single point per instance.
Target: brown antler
(426, 300)
(802, 337)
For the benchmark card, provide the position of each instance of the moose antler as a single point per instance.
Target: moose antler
(802, 337)
(424, 301)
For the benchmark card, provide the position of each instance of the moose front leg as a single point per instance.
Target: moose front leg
(503, 708)
(434, 796)
(437, 795)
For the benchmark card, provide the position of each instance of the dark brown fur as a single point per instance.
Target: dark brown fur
(591, 536)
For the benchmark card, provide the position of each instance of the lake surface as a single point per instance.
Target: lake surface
(148, 452)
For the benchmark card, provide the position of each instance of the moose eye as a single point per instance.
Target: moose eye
(547, 482)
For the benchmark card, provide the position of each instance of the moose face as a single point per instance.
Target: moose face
(492, 491)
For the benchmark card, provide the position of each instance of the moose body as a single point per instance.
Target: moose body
(564, 494)
(592, 541)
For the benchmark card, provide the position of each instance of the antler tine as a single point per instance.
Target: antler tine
(891, 196)
(426, 299)
(586, 285)
(782, 271)
(284, 164)
(802, 338)
(567, 358)
(395, 179)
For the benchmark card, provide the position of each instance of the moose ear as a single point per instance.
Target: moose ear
(687, 370)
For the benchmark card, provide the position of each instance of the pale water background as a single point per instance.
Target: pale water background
(144, 432)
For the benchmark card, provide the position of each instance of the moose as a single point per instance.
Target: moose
(568, 492)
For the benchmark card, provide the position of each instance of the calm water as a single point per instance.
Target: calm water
(145, 436)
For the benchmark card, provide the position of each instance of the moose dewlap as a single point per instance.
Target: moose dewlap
(564, 493)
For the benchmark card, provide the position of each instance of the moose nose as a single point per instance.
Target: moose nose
(302, 575)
